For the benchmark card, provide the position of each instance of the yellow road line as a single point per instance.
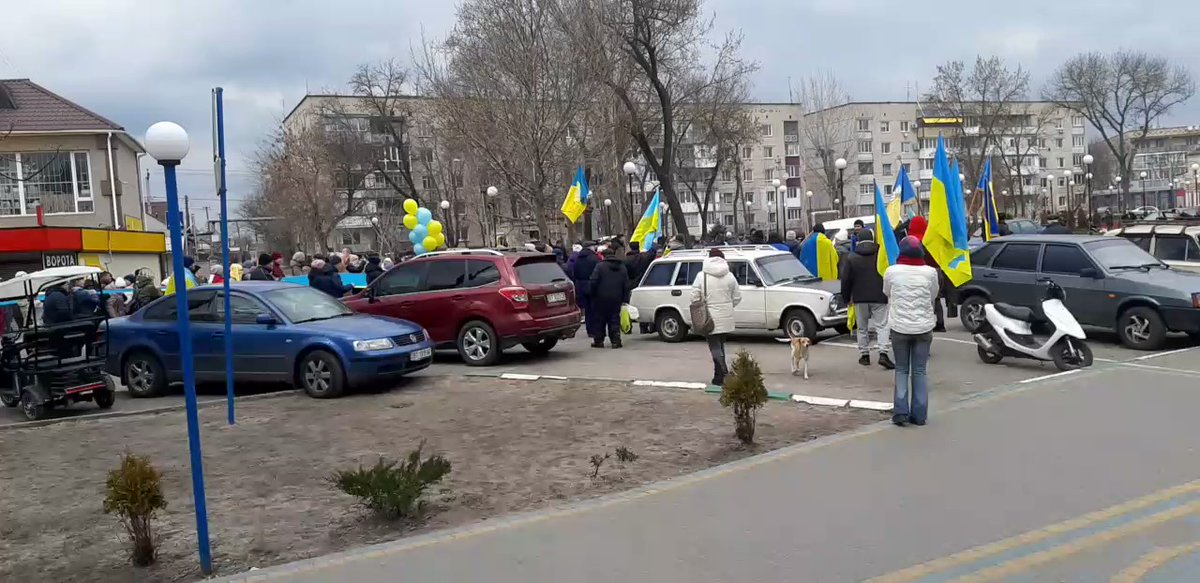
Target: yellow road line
(971, 555)
(1151, 561)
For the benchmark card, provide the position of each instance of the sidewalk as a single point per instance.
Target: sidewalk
(845, 509)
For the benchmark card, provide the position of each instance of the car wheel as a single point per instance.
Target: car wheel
(320, 375)
(971, 313)
(670, 326)
(540, 346)
(10, 400)
(144, 375)
(478, 344)
(30, 407)
(105, 398)
(799, 323)
(1065, 360)
(989, 357)
(1141, 328)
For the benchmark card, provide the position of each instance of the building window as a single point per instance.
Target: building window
(427, 182)
(927, 164)
(771, 218)
(692, 219)
(61, 182)
(866, 188)
(864, 146)
(749, 197)
(866, 168)
(747, 152)
(1058, 142)
(793, 171)
(1077, 121)
(770, 196)
(351, 237)
(1077, 141)
(728, 219)
(1058, 123)
(1062, 201)
(864, 125)
(887, 169)
(727, 197)
(748, 175)
(765, 129)
(1043, 162)
(904, 125)
(1062, 182)
(727, 175)
(1061, 163)
(770, 174)
(794, 214)
(905, 147)
(885, 147)
(793, 192)
(928, 143)
(768, 151)
(1077, 159)
(885, 126)
(792, 149)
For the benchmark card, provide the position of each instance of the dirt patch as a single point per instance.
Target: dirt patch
(514, 445)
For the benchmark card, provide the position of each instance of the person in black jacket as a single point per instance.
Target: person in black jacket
(262, 271)
(633, 263)
(56, 308)
(581, 275)
(862, 286)
(608, 288)
(319, 277)
(373, 269)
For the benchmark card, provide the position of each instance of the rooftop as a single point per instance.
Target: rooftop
(26, 107)
(1179, 131)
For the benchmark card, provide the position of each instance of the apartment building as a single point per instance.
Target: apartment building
(1170, 159)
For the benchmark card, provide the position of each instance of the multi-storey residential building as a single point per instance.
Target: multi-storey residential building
(1170, 157)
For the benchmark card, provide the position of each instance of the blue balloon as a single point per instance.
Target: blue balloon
(421, 231)
(419, 249)
(413, 238)
(424, 216)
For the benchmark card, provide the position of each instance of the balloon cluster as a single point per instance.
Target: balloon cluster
(424, 232)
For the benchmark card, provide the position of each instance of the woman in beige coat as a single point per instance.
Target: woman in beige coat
(719, 288)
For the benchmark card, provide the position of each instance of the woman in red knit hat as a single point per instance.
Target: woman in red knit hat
(911, 287)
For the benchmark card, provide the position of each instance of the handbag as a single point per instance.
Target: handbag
(702, 322)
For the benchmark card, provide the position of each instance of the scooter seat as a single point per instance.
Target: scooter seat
(1017, 313)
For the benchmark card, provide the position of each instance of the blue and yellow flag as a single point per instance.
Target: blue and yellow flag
(889, 249)
(903, 195)
(945, 239)
(820, 257)
(576, 202)
(189, 279)
(650, 226)
(991, 219)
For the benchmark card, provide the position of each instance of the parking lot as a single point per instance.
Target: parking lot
(955, 370)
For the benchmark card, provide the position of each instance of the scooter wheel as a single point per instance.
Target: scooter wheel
(989, 357)
(1065, 360)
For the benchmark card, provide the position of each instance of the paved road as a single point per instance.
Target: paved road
(878, 502)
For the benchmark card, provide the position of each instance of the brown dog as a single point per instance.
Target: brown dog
(800, 346)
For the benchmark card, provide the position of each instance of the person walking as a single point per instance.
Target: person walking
(608, 288)
(862, 287)
(581, 275)
(262, 272)
(911, 287)
(719, 291)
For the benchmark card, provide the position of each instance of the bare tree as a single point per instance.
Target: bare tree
(380, 90)
(826, 129)
(1122, 95)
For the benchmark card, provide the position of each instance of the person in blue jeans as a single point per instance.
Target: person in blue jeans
(911, 286)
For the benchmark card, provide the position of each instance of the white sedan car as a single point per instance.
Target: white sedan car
(778, 293)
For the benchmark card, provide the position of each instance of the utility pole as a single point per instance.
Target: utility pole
(187, 223)
(587, 214)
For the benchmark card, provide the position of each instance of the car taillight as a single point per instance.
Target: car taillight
(1196, 300)
(519, 296)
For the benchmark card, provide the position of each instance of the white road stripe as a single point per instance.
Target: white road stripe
(960, 341)
(1161, 368)
(516, 376)
(825, 401)
(1049, 376)
(872, 405)
(838, 344)
(670, 384)
(1167, 353)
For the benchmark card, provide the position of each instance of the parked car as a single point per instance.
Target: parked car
(480, 302)
(778, 293)
(1176, 243)
(1109, 281)
(1016, 226)
(281, 333)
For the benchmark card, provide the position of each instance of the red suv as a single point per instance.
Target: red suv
(479, 301)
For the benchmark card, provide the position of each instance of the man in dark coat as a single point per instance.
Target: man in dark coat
(633, 263)
(374, 268)
(609, 287)
(1055, 228)
(262, 271)
(862, 286)
(320, 276)
(56, 308)
(581, 275)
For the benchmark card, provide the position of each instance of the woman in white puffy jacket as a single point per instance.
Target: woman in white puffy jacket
(911, 287)
(719, 288)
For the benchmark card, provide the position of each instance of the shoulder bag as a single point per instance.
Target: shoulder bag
(702, 322)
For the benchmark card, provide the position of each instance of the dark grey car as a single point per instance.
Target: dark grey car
(1110, 283)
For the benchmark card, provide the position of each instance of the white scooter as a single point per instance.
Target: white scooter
(1009, 331)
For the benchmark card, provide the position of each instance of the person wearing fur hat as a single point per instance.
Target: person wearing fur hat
(911, 287)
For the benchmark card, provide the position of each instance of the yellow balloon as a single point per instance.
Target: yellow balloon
(435, 227)
(430, 243)
(441, 239)
(410, 206)
(410, 221)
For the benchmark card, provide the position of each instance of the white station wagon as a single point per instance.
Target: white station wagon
(778, 293)
(1176, 243)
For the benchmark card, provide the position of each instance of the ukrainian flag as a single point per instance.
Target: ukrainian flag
(946, 237)
(991, 219)
(889, 250)
(650, 226)
(189, 279)
(576, 202)
(820, 257)
(903, 194)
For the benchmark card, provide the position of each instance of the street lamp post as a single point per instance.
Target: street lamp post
(168, 143)
(452, 222)
(917, 189)
(782, 190)
(1120, 196)
(378, 233)
(1196, 183)
(1049, 183)
(666, 221)
(1067, 178)
(747, 229)
(631, 169)
(840, 164)
(1143, 175)
(808, 194)
(1045, 198)
(608, 226)
(777, 188)
(492, 191)
(1087, 189)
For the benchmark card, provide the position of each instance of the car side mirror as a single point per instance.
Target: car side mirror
(1091, 273)
(370, 295)
(265, 320)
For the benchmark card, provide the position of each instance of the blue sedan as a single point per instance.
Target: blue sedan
(281, 333)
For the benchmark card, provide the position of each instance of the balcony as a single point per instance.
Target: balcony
(865, 157)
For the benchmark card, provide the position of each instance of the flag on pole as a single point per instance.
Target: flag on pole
(991, 219)
(650, 226)
(576, 202)
(889, 249)
(820, 257)
(189, 280)
(904, 192)
(945, 238)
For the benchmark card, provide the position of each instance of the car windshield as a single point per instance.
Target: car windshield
(305, 304)
(782, 268)
(1120, 253)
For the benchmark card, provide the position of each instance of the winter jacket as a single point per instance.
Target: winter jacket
(328, 281)
(373, 270)
(910, 290)
(609, 285)
(56, 308)
(861, 282)
(260, 273)
(581, 274)
(633, 262)
(720, 290)
(216, 278)
(276, 270)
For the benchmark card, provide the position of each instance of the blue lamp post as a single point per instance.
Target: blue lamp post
(168, 144)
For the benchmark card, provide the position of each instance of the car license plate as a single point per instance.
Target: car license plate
(556, 298)
(421, 354)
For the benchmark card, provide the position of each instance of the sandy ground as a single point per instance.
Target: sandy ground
(514, 446)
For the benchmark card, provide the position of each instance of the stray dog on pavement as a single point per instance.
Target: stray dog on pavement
(800, 346)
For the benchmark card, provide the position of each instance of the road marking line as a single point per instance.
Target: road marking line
(1050, 376)
(1161, 368)
(872, 405)
(1036, 536)
(670, 384)
(1151, 561)
(958, 340)
(516, 376)
(1167, 353)
(838, 344)
(554, 377)
(824, 401)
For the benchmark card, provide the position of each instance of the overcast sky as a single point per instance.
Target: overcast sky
(137, 62)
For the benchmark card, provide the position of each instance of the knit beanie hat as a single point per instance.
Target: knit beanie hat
(714, 252)
(910, 247)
